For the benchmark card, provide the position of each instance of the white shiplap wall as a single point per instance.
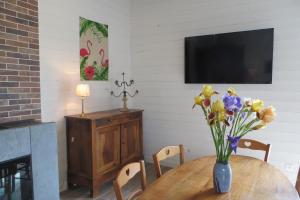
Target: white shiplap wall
(59, 56)
(158, 28)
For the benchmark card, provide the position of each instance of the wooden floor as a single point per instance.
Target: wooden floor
(107, 192)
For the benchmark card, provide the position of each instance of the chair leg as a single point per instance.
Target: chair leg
(181, 154)
(143, 175)
(13, 182)
(157, 166)
(1, 180)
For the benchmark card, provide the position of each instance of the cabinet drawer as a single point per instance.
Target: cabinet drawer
(116, 120)
(103, 122)
(133, 116)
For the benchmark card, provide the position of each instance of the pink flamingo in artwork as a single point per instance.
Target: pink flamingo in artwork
(103, 63)
(86, 52)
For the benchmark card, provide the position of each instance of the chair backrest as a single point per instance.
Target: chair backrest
(298, 182)
(255, 145)
(165, 153)
(127, 173)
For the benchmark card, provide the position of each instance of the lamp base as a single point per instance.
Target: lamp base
(82, 107)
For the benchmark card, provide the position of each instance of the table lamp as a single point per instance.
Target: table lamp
(82, 90)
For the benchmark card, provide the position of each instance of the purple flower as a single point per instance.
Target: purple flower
(244, 114)
(234, 141)
(232, 103)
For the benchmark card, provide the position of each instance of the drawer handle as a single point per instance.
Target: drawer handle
(72, 139)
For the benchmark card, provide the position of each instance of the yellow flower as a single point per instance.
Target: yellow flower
(222, 116)
(267, 115)
(218, 107)
(207, 91)
(199, 100)
(257, 105)
(231, 91)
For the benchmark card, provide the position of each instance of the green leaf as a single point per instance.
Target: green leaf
(102, 29)
(85, 25)
(82, 66)
(101, 74)
(96, 28)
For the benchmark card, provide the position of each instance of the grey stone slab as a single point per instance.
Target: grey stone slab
(14, 143)
(44, 161)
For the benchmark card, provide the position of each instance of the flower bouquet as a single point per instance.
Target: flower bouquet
(229, 119)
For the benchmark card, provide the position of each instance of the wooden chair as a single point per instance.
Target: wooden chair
(165, 153)
(127, 173)
(255, 145)
(298, 182)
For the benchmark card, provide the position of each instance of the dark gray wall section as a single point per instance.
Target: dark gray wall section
(44, 161)
(14, 143)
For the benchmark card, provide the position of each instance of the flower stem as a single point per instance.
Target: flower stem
(212, 132)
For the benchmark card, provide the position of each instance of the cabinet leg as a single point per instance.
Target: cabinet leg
(95, 189)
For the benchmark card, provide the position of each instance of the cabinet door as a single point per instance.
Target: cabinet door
(130, 139)
(107, 148)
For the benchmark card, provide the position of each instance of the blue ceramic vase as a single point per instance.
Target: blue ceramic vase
(222, 177)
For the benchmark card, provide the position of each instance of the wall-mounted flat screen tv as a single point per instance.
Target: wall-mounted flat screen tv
(239, 57)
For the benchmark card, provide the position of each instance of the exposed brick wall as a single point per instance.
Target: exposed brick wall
(19, 60)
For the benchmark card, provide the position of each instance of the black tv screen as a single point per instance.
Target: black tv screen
(239, 57)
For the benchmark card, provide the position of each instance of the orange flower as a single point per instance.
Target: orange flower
(267, 115)
(259, 126)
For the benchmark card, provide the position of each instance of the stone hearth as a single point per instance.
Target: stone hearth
(39, 141)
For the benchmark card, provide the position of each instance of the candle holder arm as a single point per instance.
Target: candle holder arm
(136, 92)
(113, 94)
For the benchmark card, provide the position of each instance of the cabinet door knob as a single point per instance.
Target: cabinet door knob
(72, 139)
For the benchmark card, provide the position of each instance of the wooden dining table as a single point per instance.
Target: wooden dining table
(253, 179)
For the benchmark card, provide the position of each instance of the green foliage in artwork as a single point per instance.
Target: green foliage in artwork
(99, 30)
(85, 25)
(82, 65)
(101, 73)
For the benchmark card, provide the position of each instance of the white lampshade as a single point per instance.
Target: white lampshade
(83, 90)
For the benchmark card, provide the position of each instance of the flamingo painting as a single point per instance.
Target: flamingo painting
(86, 52)
(94, 58)
(103, 63)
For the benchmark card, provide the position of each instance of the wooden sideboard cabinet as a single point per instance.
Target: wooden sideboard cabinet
(100, 144)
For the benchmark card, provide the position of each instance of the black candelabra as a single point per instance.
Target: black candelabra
(124, 92)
